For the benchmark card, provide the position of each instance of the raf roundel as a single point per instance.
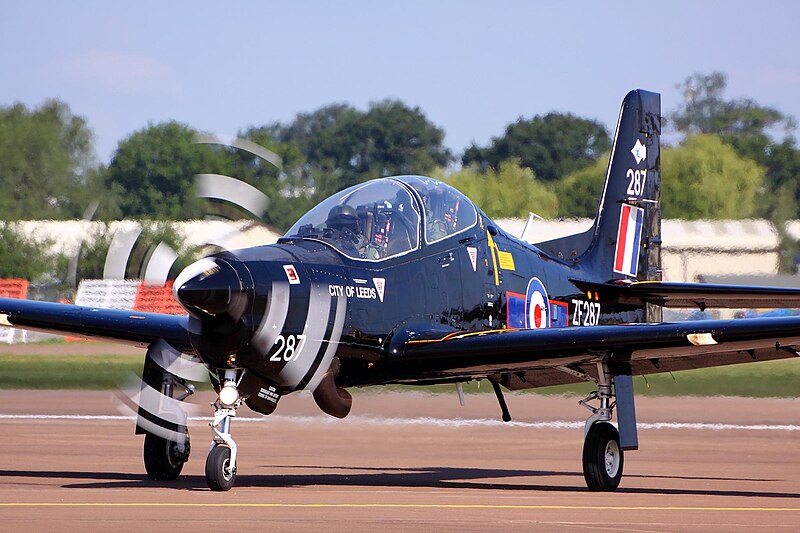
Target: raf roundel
(537, 307)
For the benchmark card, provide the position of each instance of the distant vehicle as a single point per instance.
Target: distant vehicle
(404, 280)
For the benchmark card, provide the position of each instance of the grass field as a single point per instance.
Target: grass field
(96, 372)
(780, 379)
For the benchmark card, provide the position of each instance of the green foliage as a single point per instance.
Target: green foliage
(92, 257)
(45, 158)
(705, 111)
(513, 191)
(94, 251)
(782, 193)
(705, 178)
(152, 174)
(553, 146)
(47, 168)
(153, 234)
(579, 193)
(289, 188)
(750, 128)
(23, 258)
(400, 140)
(342, 146)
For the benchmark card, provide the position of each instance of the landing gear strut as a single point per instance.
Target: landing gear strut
(603, 458)
(166, 451)
(221, 460)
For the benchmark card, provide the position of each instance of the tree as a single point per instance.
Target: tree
(400, 140)
(553, 146)
(46, 157)
(94, 251)
(512, 191)
(705, 178)
(152, 172)
(343, 146)
(705, 111)
(752, 130)
(783, 192)
(289, 187)
(22, 258)
(579, 193)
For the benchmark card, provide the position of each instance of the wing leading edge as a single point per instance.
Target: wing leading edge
(129, 327)
(535, 358)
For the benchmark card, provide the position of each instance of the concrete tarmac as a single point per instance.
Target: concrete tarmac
(402, 462)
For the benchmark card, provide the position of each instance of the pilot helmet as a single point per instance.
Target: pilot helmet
(343, 217)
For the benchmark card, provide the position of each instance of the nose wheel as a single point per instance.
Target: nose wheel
(220, 471)
(221, 460)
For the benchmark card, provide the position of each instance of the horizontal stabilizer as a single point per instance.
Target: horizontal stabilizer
(691, 295)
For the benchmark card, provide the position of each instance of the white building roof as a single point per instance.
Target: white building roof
(65, 237)
(676, 235)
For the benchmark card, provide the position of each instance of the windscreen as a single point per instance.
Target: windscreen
(372, 221)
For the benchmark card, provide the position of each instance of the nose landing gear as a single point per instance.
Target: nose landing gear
(221, 460)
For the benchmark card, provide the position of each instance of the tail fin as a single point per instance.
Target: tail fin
(624, 241)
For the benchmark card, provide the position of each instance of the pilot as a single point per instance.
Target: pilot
(344, 219)
(435, 228)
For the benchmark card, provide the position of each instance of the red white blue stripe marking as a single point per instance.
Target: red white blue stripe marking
(626, 257)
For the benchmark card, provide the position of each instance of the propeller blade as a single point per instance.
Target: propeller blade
(176, 363)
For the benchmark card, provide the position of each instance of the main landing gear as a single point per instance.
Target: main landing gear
(221, 460)
(164, 458)
(603, 456)
(165, 451)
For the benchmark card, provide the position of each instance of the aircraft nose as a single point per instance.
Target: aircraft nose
(209, 287)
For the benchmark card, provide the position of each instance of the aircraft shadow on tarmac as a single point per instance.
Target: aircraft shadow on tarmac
(429, 477)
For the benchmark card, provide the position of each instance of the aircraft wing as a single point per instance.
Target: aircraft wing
(543, 357)
(690, 295)
(130, 327)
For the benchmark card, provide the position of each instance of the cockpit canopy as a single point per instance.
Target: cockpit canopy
(383, 218)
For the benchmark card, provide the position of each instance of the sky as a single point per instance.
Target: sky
(473, 67)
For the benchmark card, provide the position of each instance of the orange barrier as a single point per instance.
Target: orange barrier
(157, 299)
(14, 288)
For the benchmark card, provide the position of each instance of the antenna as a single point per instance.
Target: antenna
(531, 216)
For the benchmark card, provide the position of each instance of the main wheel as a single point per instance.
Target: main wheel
(220, 474)
(163, 459)
(602, 458)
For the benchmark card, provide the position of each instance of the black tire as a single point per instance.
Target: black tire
(602, 458)
(164, 459)
(219, 474)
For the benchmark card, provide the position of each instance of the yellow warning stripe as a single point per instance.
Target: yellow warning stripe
(492, 251)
